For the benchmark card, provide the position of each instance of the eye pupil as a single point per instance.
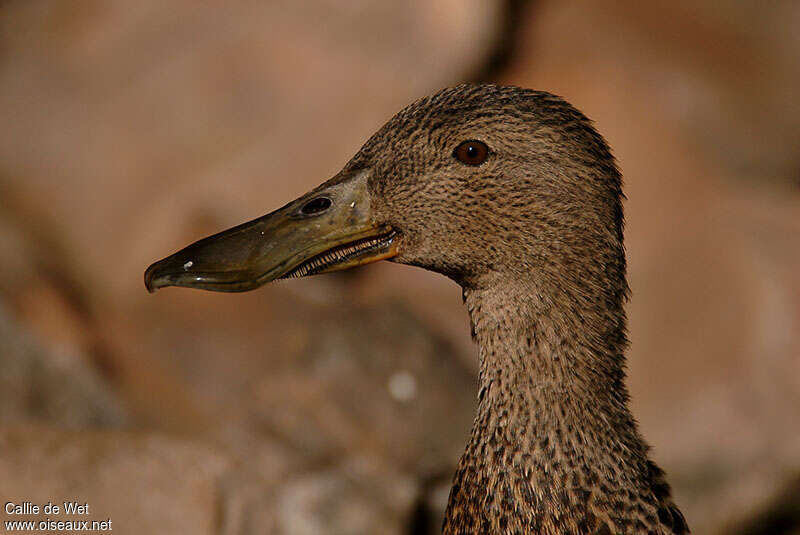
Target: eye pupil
(471, 152)
(315, 206)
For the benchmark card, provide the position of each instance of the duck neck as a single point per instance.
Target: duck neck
(553, 434)
(546, 364)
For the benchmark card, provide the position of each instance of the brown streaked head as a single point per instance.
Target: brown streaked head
(472, 182)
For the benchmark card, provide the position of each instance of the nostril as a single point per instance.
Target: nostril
(315, 206)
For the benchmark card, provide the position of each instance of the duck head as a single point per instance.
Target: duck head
(474, 182)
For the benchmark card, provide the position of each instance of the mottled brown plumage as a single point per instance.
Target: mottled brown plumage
(533, 235)
(534, 238)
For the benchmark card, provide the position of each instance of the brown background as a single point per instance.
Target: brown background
(133, 128)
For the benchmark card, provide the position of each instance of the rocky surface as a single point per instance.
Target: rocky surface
(156, 484)
(57, 388)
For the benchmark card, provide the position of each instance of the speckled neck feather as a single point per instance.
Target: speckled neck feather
(554, 448)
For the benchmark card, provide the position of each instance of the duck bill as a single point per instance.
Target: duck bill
(330, 235)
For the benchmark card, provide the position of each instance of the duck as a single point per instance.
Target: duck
(513, 194)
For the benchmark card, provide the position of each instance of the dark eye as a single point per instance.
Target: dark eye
(315, 206)
(472, 152)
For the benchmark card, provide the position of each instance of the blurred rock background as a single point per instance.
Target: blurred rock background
(340, 404)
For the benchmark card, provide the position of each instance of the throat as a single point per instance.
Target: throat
(547, 368)
(553, 442)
